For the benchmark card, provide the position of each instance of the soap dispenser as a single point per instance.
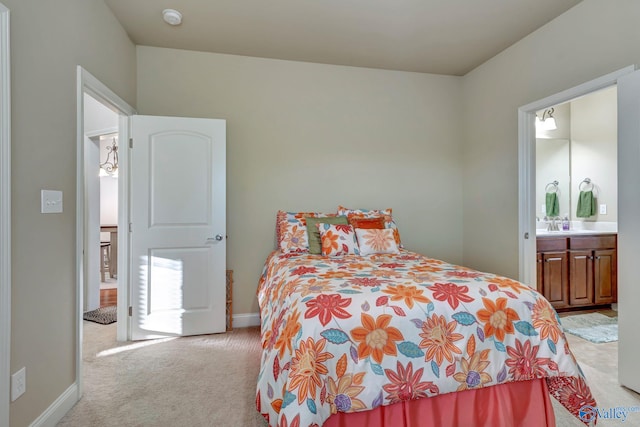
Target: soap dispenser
(565, 223)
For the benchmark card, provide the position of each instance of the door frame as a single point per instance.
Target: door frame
(527, 166)
(5, 217)
(87, 83)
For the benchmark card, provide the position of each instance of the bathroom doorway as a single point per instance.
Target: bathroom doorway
(628, 101)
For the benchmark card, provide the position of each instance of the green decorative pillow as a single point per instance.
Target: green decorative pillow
(315, 246)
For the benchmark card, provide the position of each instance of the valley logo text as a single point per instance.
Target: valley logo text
(589, 413)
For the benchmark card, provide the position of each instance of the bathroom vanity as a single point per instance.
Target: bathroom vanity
(577, 269)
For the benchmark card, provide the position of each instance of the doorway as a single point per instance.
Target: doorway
(88, 158)
(101, 206)
(628, 84)
(527, 167)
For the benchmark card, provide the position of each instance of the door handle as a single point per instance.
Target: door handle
(211, 240)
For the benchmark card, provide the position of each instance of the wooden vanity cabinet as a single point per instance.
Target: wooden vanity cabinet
(577, 271)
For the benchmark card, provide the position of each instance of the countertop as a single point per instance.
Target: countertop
(545, 233)
(578, 228)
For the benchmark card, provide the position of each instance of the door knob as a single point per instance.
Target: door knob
(211, 240)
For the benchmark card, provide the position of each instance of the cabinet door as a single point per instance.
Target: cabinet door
(580, 277)
(555, 278)
(605, 278)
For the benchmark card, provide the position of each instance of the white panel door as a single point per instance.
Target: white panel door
(178, 240)
(628, 229)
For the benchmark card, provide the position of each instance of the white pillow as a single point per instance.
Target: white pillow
(376, 241)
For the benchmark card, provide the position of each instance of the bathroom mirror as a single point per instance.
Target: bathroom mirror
(553, 164)
(582, 145)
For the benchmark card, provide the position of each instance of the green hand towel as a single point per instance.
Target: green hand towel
(586, 205)
(552, 203)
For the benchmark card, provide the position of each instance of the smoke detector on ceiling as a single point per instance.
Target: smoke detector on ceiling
(172, 16)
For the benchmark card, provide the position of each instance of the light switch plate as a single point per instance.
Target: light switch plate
(18, 383)
(51, 201)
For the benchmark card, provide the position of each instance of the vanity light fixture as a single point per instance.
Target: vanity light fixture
(110, 166)
(172, 16)
(547, 122)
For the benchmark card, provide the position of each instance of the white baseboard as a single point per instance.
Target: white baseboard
(58, 409)
(246, 320)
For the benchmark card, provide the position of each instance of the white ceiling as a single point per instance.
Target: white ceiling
(431, 36)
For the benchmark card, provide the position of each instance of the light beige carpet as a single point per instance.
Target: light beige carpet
(210, 380)
(206, 380)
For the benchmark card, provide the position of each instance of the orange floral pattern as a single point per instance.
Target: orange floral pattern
(497, 317)
(376, 337)
(509, 284)
(306, 368)
(408, 294)
(351, 333)
(545, 319)
(291, 329)
(438, 339)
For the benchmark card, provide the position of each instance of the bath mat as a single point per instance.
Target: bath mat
(102, 315)
(594, 327)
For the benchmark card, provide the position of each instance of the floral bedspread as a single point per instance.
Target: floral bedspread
(356, 332)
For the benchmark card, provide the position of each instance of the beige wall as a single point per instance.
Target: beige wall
(48, 41)
(592, 39)
(303, 136)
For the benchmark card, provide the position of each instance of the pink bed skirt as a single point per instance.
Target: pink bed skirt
(523, 404)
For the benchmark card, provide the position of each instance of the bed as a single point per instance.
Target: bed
(395, 338)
